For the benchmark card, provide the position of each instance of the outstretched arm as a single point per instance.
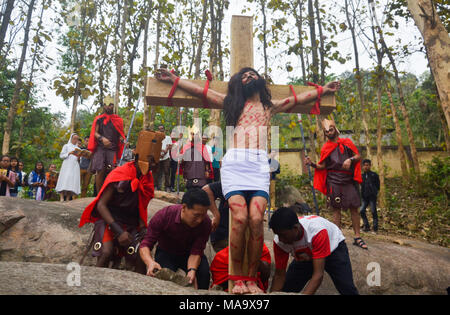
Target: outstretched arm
(309, 96)
(212, 96)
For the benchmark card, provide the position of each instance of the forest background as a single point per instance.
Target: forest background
(60, 58)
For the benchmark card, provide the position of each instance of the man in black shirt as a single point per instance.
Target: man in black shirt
(219, 236)
(369, 191)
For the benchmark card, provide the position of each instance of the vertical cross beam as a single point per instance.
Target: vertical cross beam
(241, 56)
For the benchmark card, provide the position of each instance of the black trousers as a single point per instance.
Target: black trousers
(337, 265)
(175, 262)
(373, 208)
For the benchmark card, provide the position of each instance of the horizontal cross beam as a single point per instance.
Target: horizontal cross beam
(158, 91)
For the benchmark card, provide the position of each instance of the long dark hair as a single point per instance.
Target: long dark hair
(41, 172)
(15, 169)
(235, 100)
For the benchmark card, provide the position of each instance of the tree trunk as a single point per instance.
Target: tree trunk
(399, 90)
(120, 57)
(437, 42)
(198, 55)
(151, 124)
(18, 86)
(359, 82)
(398, 135)
(5, 22)
(321, 42)
(29, 86)
(379, 149)
(216, 19)
(312, 31)
(145, 120)
(264, 30)
(299, 23)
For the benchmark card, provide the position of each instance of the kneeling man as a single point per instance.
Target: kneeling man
(317, 245)
(181, 232)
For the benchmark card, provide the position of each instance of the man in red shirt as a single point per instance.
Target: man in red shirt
(181, 232)
(219, 269)
(317, 245)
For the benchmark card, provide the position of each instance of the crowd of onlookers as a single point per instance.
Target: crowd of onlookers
(15, 182)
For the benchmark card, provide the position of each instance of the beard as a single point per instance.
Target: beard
(109, 110)
(254, 86)
(332, 136)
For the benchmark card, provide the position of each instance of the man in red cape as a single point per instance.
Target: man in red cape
(337, 175)
(106, 142)
(195, 152)
(119, 212)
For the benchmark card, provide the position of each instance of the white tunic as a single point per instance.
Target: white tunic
(69, 175)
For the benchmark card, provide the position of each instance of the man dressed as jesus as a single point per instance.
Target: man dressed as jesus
(245, 173)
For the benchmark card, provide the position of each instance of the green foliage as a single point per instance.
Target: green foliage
(436, 180)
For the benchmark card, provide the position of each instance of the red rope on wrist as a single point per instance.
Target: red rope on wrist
(316, 109)
(172, 92)
(295, 98)
(293, 92)
(205, 90)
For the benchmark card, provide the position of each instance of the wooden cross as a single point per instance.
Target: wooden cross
(241, 56)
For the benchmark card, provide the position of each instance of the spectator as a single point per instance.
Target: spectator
(369, 192)
(7, 177)
(164, 162)
(316, 245)
(181, 232)
(85, 173)
(274, 170)
(69, 175)
(219, 234)
(210, 157)
(217, 153)
(195, 163)
(24, 179)
(14, 167)
(106, 142)
(174, 154)
(52, 178)
(37, 182)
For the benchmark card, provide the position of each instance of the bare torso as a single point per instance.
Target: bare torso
(252, 127)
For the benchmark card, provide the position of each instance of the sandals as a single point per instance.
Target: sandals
(360, 243)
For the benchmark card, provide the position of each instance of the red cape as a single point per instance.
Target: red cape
(125, 172)
(219, 266)
(118, 124)
(320, 176)
(201, 148)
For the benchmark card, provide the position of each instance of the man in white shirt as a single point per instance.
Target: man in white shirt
(317, 245)
(164, 163)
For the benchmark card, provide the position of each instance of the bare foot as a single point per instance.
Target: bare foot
(253, 287)
(239, 287)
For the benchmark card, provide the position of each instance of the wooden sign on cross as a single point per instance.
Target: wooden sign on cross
(241, 56)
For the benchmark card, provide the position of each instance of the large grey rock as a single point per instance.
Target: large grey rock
(35, 251)
(38, 278)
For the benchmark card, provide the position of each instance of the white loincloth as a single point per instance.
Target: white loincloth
(245, 169)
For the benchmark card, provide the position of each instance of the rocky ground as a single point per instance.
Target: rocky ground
(39, 240)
